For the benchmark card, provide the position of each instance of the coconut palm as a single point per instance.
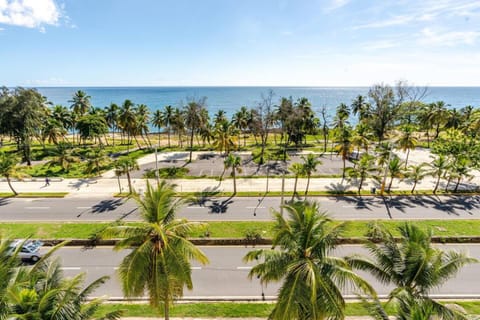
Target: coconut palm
(80, 103)
(124, 165)
(363, 169)
(416, 174)
(298, 170)
(167, 120)
(143, 118)
(361, 107)
(234, 162)
(225, 137)
(310, 164)
(53, 131)
(301, 258)
(439, 165)
(159, 260)
(460, 170)
(178, 124)
(96, 159)
(240, 122)
(194, 120)
(394, 170)
(8, 267)
(111, 117)
(157, 121)
(344, 147)
(413, 266)
(407, 141)
(63, 156)
(8, 168)
(127, 120)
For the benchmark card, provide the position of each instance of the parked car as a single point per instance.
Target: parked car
(355, 155)
(30, 250)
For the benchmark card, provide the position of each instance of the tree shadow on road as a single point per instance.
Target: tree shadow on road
(220, 206)
(4, 201)
(107, 205)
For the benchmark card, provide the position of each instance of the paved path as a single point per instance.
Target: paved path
(106, 185)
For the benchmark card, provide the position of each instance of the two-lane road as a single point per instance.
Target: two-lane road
(242, 208)
(226, 275)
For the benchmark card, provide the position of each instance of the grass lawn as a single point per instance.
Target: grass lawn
(241, 310)
(227, 229)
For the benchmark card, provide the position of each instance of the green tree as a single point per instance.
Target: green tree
(143, 119)
(363, 170)
(240, 122)
(394, 170)
(194, 120)
(225, 137)
(234, 162)
(96, 159)
(8, 168)
(407, 141)
(63, 156)
(412, 266)
(8, 268)
(344, 146)
(416, 174)
(111, 117)
(92, 126)
(127, 120)
(124, 165)
(80, 103)
(167, 119)
(439, 165)
(159, 261)
(298, 170)
(157, 121)
(301, 258)
(310, 164)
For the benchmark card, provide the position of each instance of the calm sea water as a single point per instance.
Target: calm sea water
(231, 99)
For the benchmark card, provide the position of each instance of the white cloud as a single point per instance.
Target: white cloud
(29, 13)
(452, 38)
(336, 4)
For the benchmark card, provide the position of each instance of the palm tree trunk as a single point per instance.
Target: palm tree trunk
(414, 185)
(234, 180)
(436, 185)
(10, 185)
(191, 146)
(360, 185)
(167, 309)
(168, 134)
(136, 140)
(308, 183)
(130, 189)
(458, 183)
(295, 187)
(406, 160)
(390, 184)
(119, 185)
(448, 183)
(344, 165)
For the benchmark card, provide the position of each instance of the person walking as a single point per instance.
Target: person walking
(47, 181)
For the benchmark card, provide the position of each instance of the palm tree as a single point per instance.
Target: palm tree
(8, 267)
(460, 170)
(111, 117)
(167, 119)
(159, 260)
(300, 257)
(143, 118)
(158, 123)
(127, 120)
(344, 148)
(63, 156)
(53, 131)
(416, 174)
(124, 165)
(96, 159)
(80, 104)
(412, 265)
(394, 169)
(178, 124)
(363, 169)
(234, 162)
(361, 107)
(310, 164)
(240, 122)
(407, 141)
(298, 170)
(194, 120)
(8, 168)
(224, 135)
(439, 165)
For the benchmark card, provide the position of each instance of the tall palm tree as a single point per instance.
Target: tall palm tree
(361, 107)
(412, 265)
(394, 170)
(310, 164)
(167, 119)
(63, 156)
(8, 168)
(178, 124)
(407, 141)
(97, 158)
(127, 120)
(8, 268)
(298, 170)
(194, 120)
(416, 174)
(80, 104)
(234, 162)
(157, 121)
(124, 165)
(363, 169)
(240, 122)
(143, 118)
(301, 258)
(439, 165)
(159, 261)
(225, 137)
(344, 146)
(111, 116)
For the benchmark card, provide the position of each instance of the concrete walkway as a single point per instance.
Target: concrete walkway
(107, 185)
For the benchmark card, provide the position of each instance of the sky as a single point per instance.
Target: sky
(239, 42)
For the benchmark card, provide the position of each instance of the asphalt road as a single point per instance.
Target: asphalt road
(226, 275)
(240, 208)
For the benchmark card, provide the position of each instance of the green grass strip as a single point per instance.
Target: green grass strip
(231, 229)
(242, 310)
(34, 195)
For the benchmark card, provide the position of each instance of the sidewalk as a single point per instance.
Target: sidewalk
(107, 185)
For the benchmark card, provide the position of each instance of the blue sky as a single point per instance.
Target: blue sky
(239, 42)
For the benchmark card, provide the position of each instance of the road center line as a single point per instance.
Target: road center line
(191, 207)
(34, 208)
(70, 268)
(84, 207)
(244, 268)
(255, 207)
(196, 268)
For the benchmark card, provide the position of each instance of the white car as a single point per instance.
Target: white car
(30, 249)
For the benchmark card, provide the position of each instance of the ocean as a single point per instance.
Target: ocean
(230, 99)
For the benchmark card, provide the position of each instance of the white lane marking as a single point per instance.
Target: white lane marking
(359, 206)
(196, 268)
(33, 208)
(193, 207)
(84, 207)
(70, 268)
(244, 268)
(255, 207)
